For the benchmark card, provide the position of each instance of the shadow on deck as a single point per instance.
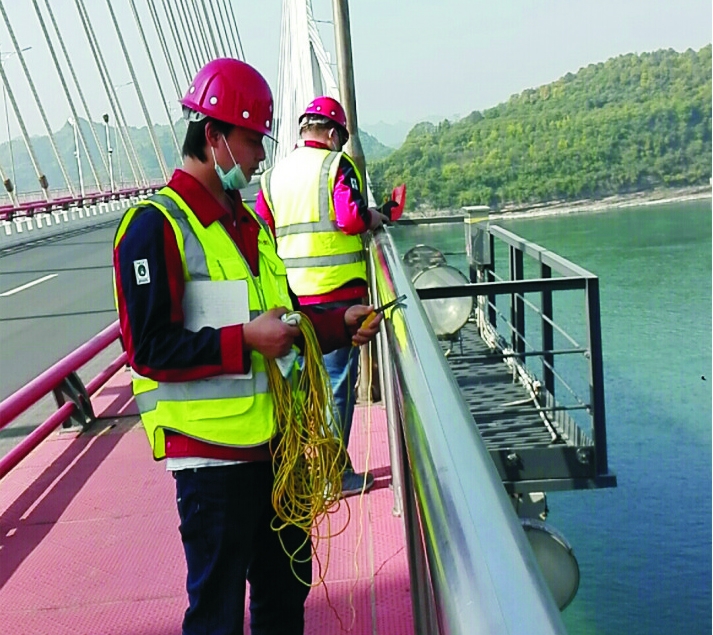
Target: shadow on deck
(89, 541)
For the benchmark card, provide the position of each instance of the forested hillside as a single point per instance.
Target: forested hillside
(633, 123)
(372, 147)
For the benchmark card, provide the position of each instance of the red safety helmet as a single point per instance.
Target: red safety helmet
(234, 92)
(331, 109)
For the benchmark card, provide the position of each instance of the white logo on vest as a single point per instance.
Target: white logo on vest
(141, 270)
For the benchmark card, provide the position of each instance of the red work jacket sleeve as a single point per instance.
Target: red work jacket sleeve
(351, 209)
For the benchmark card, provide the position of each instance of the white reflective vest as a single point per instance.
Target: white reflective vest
(319, 257)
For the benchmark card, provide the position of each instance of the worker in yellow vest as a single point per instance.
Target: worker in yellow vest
(313, 201)
(200, 376)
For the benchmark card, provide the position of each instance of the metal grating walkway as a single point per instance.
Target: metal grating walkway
(502, 408)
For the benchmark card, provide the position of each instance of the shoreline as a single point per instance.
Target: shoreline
(618, 201)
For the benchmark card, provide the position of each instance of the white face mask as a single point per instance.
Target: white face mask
(336, 145)
(233, 179)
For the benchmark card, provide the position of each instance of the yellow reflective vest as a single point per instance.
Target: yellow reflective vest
(226, 410)
(319, 257)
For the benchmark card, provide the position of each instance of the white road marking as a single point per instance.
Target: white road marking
(28, 285)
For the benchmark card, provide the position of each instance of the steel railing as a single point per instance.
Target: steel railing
(72, 397)
(573, 413)
(472, 568)
(36, 205)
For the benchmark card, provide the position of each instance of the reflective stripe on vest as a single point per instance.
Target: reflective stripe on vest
(214, 388)
(324, 223)
(226, 410)
(319, 256)
(194, 253)
(324, 261)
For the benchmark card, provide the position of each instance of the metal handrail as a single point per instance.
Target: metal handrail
(540, 254)
(31, 208)
(47, 381)
(20, 401)
(472, 568)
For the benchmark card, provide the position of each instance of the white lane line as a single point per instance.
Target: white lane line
(28, 285)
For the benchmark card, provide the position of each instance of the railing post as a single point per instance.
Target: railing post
(369, 385)
(393, 423)
(478, 249)
(517, 304)
(423, 604)
(73, 388)
(596, 374)
(548, 359)
(490, 277)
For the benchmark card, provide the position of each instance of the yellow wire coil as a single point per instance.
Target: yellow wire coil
(308, 460)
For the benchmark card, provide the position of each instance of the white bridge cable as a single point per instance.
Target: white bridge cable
(70, 101)
(11, 96)
(174, 36)
(231, 26)
(193, 33)
(185, 36)
(294, 69)
(230, 50)
(156, 76)
(215, 31)
(200, 31)
(239, 43)
(10, 190)
(21, 57)
(114, 104)
(304, 72)
(77, 85)
(181, 43)
(319, 53)
(149, 125)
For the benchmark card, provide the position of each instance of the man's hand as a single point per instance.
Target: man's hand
(387, 208)
(269, 335)
(362, 330)
(377, 218)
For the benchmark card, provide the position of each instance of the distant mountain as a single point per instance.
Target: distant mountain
(630, 124)
(124, 172)
(373, 148)
(394, 134)
(391, 134)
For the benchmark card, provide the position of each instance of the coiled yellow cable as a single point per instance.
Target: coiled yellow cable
(308, 460)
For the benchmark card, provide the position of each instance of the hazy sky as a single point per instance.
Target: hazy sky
(412, 59)
(418, 58)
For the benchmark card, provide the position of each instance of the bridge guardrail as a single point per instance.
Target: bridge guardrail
(72, 397)
(472, 568)
(35, 220)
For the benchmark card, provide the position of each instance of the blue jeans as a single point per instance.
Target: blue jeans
(225, 517)
(342, 366)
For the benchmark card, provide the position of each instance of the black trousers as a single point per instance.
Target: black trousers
(225, 527)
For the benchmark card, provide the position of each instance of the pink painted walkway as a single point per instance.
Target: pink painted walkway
(89, 543)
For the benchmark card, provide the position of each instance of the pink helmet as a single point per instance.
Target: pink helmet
(329, 108)
(234, 92)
